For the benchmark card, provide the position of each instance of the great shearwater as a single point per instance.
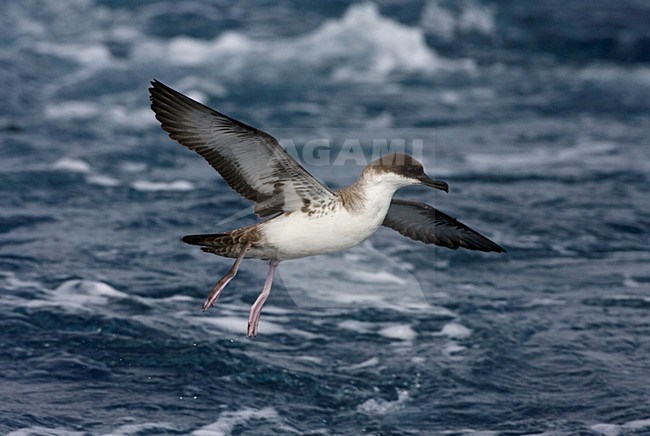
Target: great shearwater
(303, 216)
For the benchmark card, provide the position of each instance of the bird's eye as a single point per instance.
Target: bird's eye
(410, 171)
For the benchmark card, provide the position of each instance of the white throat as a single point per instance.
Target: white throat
(378, 190)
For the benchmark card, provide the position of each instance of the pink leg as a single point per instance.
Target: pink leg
(256, 309)
(218, 287)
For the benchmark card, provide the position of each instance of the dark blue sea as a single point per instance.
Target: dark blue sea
(536, 114)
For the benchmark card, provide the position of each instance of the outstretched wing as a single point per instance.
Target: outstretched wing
(424, 223)
(252, 162)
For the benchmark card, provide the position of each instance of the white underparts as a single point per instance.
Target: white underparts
(297, 234)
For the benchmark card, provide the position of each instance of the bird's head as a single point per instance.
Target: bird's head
(401, 170)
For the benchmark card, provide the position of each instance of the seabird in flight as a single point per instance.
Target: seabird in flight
(303, 217)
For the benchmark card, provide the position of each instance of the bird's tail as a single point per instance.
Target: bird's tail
(221, 244)
(227, 244)
(204, 240)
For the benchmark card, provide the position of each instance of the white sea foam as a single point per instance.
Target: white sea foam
(80, 295)
(403, 332)
(382, 121)
(148, 186)
(80, 166)
(133, 167)
(310, 359)
(120, 115)
(71, 165)
(198, 86)
(92, 55)
(455, 331)
(76, 296)
(629, 298)
(607, 429)
(229, 420)
(83, 294)
(586, 154)
(229, 324)
(451, 349)
(101, 180)
(117, 114)
(146, 427)
(629, 282)
(372, 43)
(12, 283)
(544, 302)
(381, 406)
(437, 20)
(632, 75)
(184, 50)
(362, 45)
(75, 110)
(237, 325)
(373, 361)
(356, 326)
(45, 431)
(619, 429)
(475, 17)
(467, 17)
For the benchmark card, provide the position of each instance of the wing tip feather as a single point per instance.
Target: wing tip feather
(401, 216)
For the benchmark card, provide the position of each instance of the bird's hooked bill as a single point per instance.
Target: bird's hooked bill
(438, 184)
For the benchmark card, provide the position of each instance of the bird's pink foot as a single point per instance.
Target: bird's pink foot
(221, 284)
(256, 309)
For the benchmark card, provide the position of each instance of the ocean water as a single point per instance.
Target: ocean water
(536, 113)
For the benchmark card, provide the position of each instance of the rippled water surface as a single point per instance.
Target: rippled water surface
(535, 113)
